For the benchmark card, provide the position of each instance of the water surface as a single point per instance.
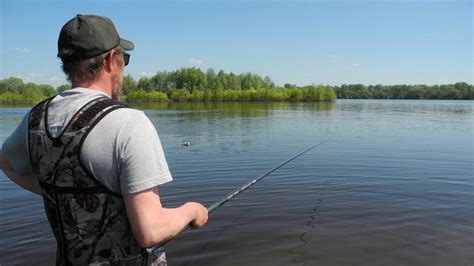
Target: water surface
(392, 186)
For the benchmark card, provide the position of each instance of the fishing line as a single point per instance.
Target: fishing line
(234, 194)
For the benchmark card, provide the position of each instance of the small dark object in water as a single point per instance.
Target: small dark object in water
(185, 144)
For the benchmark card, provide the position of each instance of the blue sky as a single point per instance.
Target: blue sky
(300, 42)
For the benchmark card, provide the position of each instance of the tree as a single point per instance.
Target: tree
(129, 84)
(233, 82)
(31, 92)
(47, 90)
(222, 78)
(246, 81)
(465, 90)
(12, 84)
(63, 87)
(213, 82)
(192, 79)
(144, 83)
(268, 83)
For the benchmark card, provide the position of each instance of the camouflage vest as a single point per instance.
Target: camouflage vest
(88, 220)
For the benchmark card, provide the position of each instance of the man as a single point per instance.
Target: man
(96, 163)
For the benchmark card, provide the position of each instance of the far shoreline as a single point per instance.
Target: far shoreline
(29, 104)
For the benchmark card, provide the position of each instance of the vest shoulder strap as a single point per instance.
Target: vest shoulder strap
(36, 113)
(95, 110)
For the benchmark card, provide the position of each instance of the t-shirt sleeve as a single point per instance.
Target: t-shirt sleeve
(142, 163)
(15, 149)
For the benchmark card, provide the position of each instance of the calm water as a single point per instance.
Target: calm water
(394, 185)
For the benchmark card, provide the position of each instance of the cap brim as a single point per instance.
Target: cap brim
(126, 45)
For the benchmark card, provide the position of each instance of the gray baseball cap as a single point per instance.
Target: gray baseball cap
(88, 36)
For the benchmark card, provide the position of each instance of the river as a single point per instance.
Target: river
(393, 184)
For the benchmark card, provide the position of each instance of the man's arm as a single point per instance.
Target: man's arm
(152, 224)
(28, 182)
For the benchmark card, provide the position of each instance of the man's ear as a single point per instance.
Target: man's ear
(109, 61)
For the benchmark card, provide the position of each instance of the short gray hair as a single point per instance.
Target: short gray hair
(87, 69)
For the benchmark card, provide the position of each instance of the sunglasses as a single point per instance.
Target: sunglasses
(126, 58)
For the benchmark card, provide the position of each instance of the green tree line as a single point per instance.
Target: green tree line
(14, 90)
(192, 84)
(184, 85)
(195, 85)
(457, 91)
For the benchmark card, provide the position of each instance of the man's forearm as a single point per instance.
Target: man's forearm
(152, 224)
(179, 218)
(169, 223)
(28, 182)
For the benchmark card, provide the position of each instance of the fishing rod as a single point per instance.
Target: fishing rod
(234, 194)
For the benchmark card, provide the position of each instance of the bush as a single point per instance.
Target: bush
(196, 96)
(181, 95)
(11, 97)
(144, 96)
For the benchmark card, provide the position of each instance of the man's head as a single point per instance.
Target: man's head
(89, 44)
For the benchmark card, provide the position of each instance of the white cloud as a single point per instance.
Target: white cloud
(56, 81)
(19, 76)
(37, 78)
(355, 65)
(146, 74)
(195, 61)
(23, 50)
(30, 77)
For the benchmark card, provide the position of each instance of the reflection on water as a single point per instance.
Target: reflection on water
(234, 107)
(392, 186)
(312, 219)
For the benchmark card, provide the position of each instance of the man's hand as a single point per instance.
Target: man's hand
(201, 215)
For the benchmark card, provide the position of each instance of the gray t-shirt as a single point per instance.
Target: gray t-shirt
(123, 151)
